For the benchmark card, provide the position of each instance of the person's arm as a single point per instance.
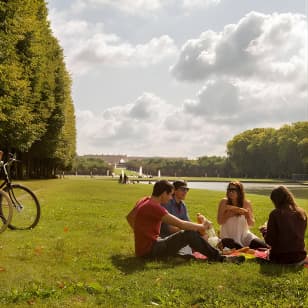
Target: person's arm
(271, 235)
(182, 224)
(131, 217)
(173, 229)
(249, 214)
(226, 211)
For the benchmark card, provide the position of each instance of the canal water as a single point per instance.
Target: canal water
(300, 191)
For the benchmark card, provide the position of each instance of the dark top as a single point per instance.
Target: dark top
(177, 209)
(286, 236)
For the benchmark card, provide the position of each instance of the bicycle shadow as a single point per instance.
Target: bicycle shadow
(131, 264)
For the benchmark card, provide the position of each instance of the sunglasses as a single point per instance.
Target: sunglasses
(186, 189)
(232, 189)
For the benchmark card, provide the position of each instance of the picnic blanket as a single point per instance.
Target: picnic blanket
(262, 254)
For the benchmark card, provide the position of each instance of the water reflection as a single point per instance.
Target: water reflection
(300, 191)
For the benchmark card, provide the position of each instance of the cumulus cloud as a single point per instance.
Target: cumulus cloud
(99, 49)
(88, 44)
(254, 72)
(251, 74)
(254, 48)
(246, 104)
(143, 7)
(197, 4)
(148, 126)
(151, 126)
(133, 7)
(216, 100)
(135, 127)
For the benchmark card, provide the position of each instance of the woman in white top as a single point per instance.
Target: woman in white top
(235, 217)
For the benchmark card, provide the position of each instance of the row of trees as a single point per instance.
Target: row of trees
(267, 152)
(260, 152)
(37, 119)
(84, 165)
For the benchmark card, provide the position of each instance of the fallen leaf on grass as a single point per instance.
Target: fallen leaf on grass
(38, 250)
(79, 299)
(61, 284)
(31, 301)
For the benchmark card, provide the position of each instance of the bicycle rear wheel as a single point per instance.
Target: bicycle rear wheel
(27, 208)
(6, 210)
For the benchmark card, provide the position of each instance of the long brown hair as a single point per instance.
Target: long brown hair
(284, 199)
(240, 193)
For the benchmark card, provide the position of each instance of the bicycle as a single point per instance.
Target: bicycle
(22, 198)
(6, 210)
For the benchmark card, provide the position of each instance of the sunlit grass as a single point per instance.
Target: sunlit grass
(81, 254)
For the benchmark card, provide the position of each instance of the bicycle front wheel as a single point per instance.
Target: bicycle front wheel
(6, 210)
(27, 208)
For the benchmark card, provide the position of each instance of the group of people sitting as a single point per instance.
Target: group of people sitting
(162, 227)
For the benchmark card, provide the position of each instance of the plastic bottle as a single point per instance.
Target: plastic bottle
(213, 238)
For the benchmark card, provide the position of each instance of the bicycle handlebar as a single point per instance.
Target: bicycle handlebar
(10, 161)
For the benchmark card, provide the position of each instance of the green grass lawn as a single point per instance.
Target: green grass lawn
(81, 254)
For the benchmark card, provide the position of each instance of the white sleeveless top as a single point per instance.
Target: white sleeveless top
(236, 227)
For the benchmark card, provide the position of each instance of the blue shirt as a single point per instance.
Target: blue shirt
(177, 209)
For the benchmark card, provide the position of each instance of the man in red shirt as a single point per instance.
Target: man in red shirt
(146, 218)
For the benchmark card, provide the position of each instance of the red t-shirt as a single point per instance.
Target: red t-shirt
(147, 225)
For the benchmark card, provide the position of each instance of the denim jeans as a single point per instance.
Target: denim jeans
(169, 246)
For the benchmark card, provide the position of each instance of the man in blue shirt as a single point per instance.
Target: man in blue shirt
(177, 207)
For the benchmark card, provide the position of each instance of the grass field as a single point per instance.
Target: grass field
(82, 255)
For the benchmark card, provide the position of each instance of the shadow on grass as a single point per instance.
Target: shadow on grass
(269, 269)
(131, 264)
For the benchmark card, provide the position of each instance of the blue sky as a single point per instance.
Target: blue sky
(181, 77)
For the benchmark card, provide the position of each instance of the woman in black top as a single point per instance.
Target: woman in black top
(286, 228)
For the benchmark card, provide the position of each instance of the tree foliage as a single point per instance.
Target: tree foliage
(90, 165)
(36, 110)
(267, 152)
(256, 153)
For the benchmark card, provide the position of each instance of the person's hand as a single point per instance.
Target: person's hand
(201, 229)
(207, 224)
(242, 211)
(263, 230)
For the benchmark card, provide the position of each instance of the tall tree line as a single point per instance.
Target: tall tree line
(37, 119)
(268, 152)
(256, 153)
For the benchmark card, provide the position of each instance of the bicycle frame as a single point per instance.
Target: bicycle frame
(5, 166)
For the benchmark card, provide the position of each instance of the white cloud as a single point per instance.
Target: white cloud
(253, 48)
(203, 126)
(87, 45)
(217, 100)
(99, 49)
(133, 7)
(251, 74)
(143, 7)
(197, 4)
(246, 104)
